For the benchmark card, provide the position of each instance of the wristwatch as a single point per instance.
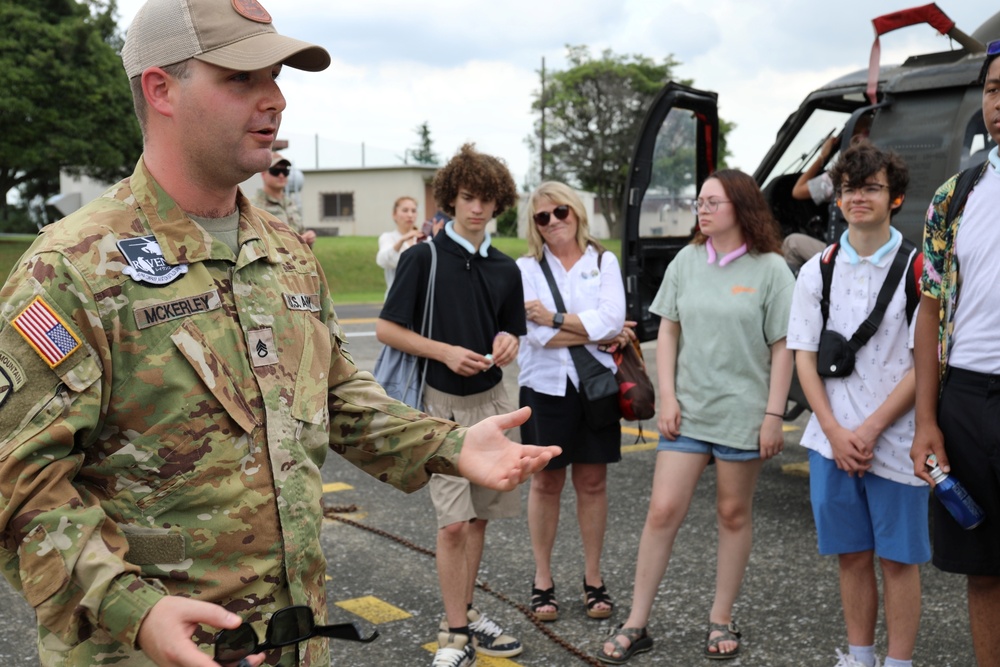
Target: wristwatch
(557, 320)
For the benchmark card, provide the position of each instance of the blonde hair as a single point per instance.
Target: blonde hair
(559, 194)
(395, 204)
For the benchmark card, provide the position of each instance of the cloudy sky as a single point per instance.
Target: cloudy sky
(470, 68)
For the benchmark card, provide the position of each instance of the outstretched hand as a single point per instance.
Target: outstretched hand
(489, 458)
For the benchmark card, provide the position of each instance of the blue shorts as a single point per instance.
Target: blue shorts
(868, 513)
(692, 446)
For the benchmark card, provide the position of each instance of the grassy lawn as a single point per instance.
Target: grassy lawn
(348, 261)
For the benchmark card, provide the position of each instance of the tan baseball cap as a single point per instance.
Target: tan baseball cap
(235, 34)
(276, 158)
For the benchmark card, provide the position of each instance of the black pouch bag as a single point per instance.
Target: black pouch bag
(835, 357)
(598, 390)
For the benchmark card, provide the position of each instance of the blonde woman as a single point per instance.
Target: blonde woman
(392, 244)
(590, 284)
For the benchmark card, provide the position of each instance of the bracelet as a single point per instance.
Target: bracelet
(775, 414)
(502, 333)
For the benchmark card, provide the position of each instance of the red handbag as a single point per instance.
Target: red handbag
(636, 396)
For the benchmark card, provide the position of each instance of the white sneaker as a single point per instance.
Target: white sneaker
(454, 651)
(848, 660)
(491, 639)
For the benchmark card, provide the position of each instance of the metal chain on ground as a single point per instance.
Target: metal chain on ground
(335, 512)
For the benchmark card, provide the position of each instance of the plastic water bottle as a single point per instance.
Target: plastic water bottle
(954, 497)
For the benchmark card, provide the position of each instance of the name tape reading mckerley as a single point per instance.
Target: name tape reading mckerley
(147, 314)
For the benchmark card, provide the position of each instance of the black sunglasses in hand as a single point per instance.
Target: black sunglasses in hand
(287, 626)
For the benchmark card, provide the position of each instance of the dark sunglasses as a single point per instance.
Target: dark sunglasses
(542, 218)
(287, 626)
(278, 171)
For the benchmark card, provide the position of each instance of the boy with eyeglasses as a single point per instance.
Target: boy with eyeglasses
(958, 371)
(866, 500)
(275, 200)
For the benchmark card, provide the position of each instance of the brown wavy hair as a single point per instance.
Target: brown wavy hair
(759, 228)
(483, 175)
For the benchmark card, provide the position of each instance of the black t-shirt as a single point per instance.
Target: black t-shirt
(475, 298)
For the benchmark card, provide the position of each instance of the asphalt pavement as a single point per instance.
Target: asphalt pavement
(381, 573)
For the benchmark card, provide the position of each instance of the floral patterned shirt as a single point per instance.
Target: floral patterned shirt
(940, 277)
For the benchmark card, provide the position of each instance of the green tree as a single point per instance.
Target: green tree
(507, 223)
(593, 113)
(424, 152)
(64, 97)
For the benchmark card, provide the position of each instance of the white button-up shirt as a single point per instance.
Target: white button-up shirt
(595, 294)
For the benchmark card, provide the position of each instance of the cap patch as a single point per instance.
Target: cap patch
(251, 9)
(46, 332)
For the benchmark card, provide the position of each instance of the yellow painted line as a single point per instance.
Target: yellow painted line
(359, 320)
(800, 469)
(373, 610)
(481, 660)
(336, 486)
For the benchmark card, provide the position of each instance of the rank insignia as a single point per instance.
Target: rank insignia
(46, 332)
(146, 262)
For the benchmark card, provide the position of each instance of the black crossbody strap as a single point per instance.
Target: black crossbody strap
(574, 350)
(868, 328)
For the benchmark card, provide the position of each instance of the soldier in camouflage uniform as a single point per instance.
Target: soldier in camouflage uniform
(273, 198)
(169, 388)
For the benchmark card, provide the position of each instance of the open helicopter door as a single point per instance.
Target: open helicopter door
(677, 149)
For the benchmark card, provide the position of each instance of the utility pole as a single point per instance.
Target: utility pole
(541, 132)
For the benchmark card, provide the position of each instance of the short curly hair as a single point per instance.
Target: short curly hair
(862, 161)
(483, 175)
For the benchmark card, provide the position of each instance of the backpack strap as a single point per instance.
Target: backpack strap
(826, 272)
(967, 179)
(913, 273)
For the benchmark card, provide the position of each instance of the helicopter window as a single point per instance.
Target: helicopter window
(805, 145)
(667, 204)
(977, 142)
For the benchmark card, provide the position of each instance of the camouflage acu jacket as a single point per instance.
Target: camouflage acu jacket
(284, 209)
(165, 408)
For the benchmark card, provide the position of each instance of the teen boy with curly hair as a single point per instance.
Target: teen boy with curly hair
(477, 316)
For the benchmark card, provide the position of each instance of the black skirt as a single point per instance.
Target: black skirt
(558, 420)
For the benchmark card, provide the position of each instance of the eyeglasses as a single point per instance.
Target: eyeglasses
(278, 171)
(542, 217)
(711, 204)
(287, 626)
(868, 190)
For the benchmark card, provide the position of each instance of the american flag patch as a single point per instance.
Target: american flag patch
(46, 332)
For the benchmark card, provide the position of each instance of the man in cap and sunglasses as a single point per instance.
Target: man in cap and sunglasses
(957, 363)
(172, 374)
(274, 198)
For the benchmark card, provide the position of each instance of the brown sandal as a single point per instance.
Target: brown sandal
(639, 642)
(595, 595)
(730, 633)
(544, 598)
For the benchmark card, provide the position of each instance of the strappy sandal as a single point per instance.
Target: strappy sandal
(639, 642)
(730, 633)
(595, 595)
(544, 598)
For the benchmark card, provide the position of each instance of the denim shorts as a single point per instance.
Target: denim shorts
(867, 513)
(692, 446)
